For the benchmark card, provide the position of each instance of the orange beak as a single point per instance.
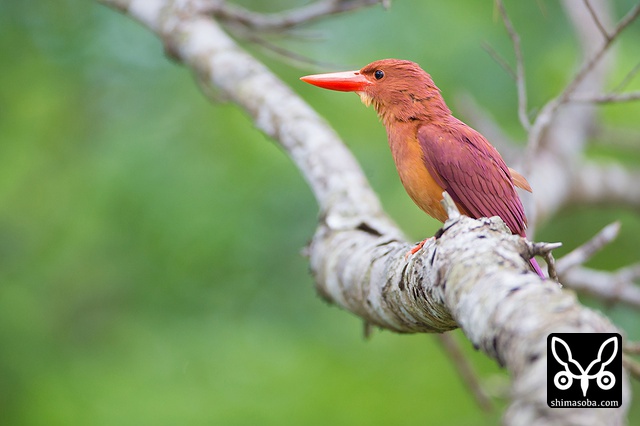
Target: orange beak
(348, 81)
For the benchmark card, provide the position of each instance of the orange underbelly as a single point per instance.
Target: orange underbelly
(423, 190)
(416, 179)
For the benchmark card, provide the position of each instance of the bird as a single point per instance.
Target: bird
(434, 151)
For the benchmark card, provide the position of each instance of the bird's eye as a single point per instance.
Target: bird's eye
(378, 74)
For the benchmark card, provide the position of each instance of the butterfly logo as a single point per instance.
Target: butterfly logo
(564, 379)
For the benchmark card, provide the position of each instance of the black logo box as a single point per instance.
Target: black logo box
(584, 369)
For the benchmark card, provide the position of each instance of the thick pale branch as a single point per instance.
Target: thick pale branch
(613, 287)
(338, 183)
(596, 183)
(471, 276)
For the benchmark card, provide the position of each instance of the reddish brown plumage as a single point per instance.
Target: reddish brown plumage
(434, 151)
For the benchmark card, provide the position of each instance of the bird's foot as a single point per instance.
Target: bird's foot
(417, 247)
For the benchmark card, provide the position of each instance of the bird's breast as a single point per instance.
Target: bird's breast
(416, 179)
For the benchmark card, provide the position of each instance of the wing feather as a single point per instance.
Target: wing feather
(471, 170)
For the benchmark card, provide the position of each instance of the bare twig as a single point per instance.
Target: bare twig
(284, 53)
(627, 78)
(551, 266)
(465, 370)
(588, 66)
(606, 98)
(545, 116)
(632, 348)
(480, 119)
(633, 367)
(248, 24)
(594, 15)
(225, 11)
(520, 77)
(544, 250)
(499, 60)
(583, 253)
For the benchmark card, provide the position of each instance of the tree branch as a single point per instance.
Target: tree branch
(474, 275)
(480, 119)
(465, 370)
(627, 78)
(229, 12)
(606, 98)
(547, 113)
(596, 183)
(612, 287)
(582, 254)
(520, 78)
(596, 20)
(551, 167)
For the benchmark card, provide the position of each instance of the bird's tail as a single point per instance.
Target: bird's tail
(536, 267)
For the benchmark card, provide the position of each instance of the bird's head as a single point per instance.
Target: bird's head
(399, 90)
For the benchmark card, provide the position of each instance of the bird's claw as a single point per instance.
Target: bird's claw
(417, 247)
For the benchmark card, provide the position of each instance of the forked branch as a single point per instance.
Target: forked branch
(545, 117)
(229, 12)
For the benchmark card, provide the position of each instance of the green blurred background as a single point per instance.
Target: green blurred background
(150, 266)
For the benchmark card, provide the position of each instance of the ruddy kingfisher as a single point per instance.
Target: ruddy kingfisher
(434, 151)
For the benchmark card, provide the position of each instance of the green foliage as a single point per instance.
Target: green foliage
(150, 267)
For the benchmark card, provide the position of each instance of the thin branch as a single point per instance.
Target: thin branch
(591, 63)
(632, 366)
(286, 54)
(606, 98)
(627, 78)
(499, 60)
(229, 12)
(545, 117)
(480, 119)
(626, 20)
(520, 77)
(632, 348)
(582, 254)
(545, 250)
(594, 15)
(465, 370)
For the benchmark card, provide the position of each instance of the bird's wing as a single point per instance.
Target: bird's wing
(471, 170)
